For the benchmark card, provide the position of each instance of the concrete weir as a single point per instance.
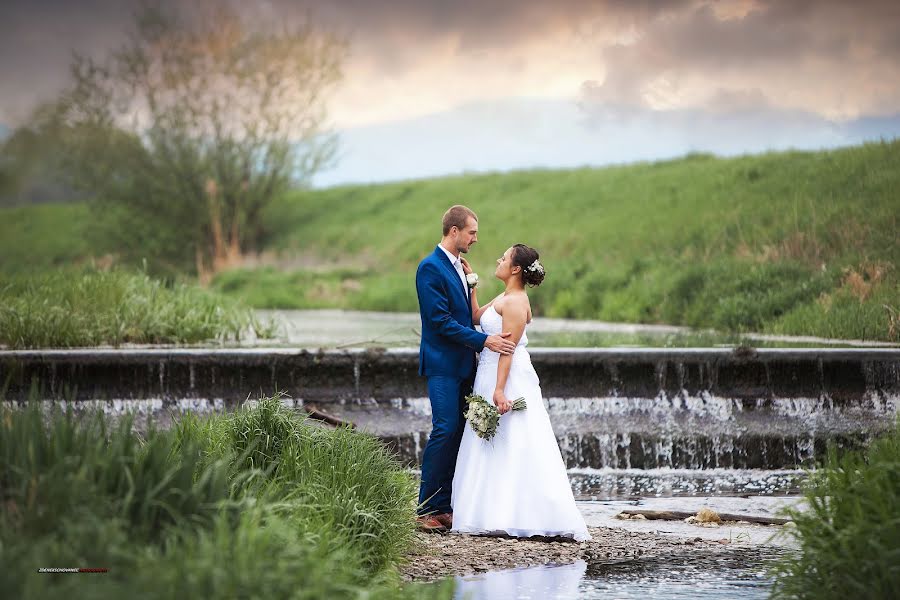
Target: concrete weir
(610, 408)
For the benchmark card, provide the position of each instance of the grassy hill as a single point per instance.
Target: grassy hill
(795, 242)
(44, 236)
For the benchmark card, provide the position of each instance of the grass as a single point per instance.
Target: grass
(255, 504)
(790, 242)
(66, 308)
(308, 289)
(850, 536)
(46, 236)
(700, 339)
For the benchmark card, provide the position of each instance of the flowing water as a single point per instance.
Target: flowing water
(680, 446)
(725, 574)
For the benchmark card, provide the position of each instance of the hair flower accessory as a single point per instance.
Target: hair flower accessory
(536, 266)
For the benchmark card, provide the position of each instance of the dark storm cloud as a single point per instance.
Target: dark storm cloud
(823, 55)
(484, 22)
(37, 39)
(820, 40)
(38, 36)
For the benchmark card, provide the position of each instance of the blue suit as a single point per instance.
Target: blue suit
(447, 359)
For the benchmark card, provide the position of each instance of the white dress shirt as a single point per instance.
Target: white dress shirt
(457, 264)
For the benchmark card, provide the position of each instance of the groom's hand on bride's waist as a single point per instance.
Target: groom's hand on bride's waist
(499, 343)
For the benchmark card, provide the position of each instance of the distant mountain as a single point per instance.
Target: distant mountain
(521, 133)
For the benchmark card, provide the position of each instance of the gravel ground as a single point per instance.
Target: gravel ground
(443, 555)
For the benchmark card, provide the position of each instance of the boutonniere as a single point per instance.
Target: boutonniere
(472, 280)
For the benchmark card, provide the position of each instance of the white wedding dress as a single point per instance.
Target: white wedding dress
(516, 483)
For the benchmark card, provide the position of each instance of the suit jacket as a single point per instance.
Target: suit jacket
(449, 341)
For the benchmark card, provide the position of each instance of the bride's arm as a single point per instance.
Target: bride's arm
(515, 314)
(476, 310)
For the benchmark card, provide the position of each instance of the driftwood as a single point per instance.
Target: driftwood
(315, 412)
(677, 515)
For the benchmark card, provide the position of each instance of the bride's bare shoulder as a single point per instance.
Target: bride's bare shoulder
(518, 303)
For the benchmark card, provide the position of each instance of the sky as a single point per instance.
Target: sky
(434, 87)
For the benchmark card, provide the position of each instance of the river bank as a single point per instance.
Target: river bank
(614, 541)
(438, 556)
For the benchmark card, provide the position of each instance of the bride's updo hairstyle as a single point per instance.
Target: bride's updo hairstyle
(527, 258)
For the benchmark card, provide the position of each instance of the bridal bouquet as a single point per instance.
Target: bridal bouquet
(484, 416)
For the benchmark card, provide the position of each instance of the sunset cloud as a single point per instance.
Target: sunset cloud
(805, 66)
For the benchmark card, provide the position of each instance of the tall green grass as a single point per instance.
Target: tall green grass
(787, 242)
(47, 236)
(850, 536)
(347, 288)
(89, 307)
(256, 504)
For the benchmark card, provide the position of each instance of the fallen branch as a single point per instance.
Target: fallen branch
(677, 515)
(315, 413)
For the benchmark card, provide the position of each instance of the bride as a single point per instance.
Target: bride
(516, 483)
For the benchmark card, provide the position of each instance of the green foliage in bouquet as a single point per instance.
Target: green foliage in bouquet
(484, 416)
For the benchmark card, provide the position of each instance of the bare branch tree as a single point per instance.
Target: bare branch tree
(198, 123)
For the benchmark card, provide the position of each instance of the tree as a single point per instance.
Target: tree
(185, 134)
(31, 169)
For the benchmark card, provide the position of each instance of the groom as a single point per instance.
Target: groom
(447, 359)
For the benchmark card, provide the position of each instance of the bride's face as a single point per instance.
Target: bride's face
(505, 266)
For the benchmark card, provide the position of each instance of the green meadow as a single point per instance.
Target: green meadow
(799, 243)
(794, 243)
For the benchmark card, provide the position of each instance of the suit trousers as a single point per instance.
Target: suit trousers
(447, 395)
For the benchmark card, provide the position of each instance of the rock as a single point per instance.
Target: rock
(707, 515)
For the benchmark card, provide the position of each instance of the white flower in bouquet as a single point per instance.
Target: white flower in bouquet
(483, 417)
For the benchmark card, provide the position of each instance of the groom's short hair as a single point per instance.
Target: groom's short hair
(456, 216)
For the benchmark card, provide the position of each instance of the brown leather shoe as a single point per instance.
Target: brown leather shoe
(429, 524)
(445, 519)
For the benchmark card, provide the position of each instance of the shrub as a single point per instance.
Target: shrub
(850, 536)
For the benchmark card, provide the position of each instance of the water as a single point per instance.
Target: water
(619, 484)
(738, 573)
(353, 329)
(727, 574)
(700, 432)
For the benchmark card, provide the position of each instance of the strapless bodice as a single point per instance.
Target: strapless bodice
(492, 323)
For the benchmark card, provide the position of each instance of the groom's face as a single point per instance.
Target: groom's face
(467, 236)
